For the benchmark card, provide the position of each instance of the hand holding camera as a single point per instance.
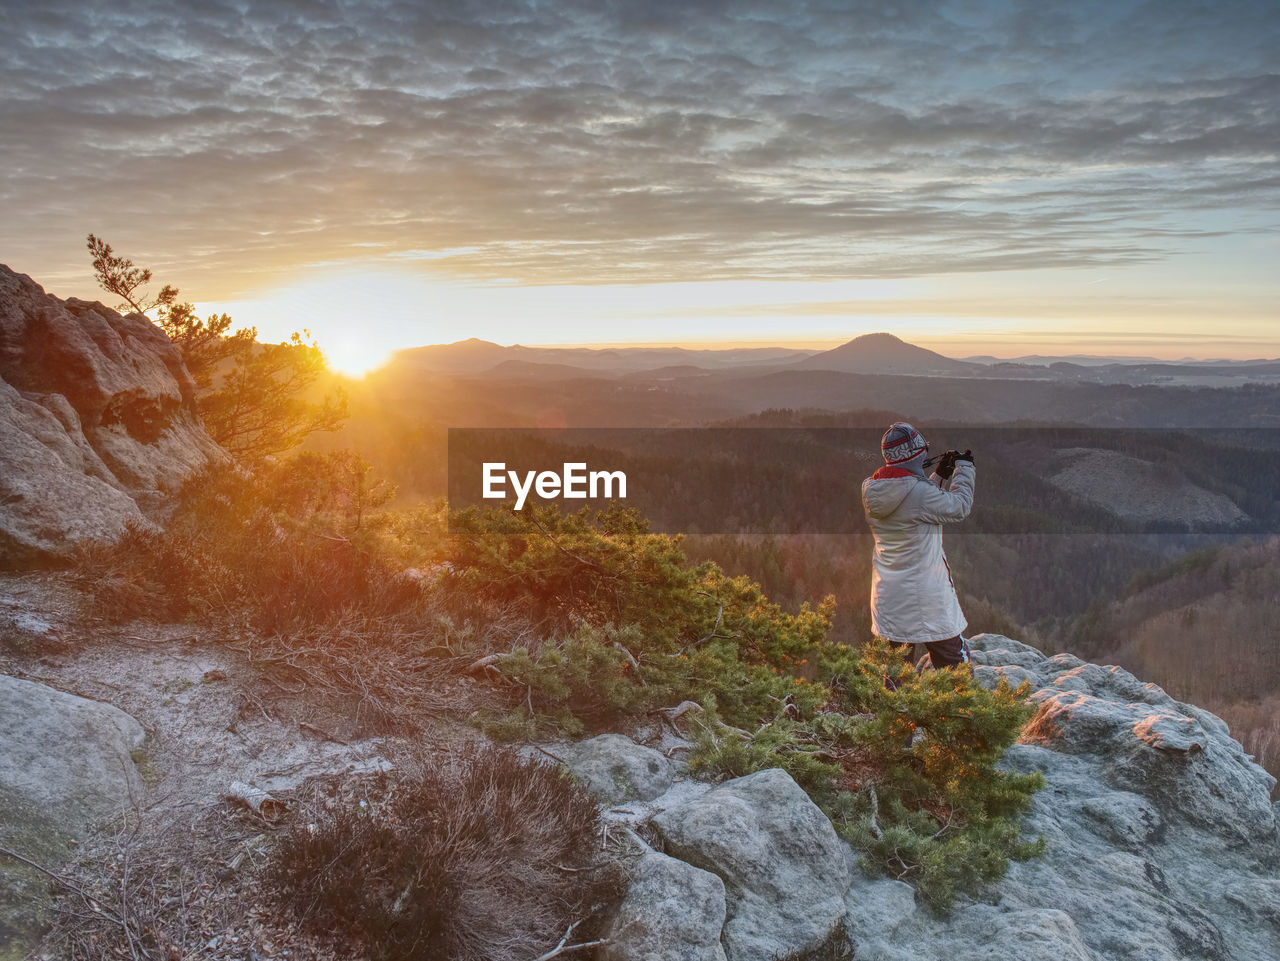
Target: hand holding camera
(947, 462)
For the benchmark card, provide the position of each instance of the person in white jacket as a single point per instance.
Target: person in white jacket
(913, 599)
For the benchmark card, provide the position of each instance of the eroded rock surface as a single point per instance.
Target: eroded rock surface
(98, 423)
(1162, 842)
(615, 768)
(784, 869)
(1161, 834)
(672, 912)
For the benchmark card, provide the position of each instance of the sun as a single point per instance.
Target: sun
(358, 318)
(350, 354)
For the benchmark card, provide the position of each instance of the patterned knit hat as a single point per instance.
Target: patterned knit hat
(901, 443)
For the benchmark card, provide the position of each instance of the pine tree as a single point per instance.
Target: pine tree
(253, 397)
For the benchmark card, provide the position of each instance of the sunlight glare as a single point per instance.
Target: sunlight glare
(358, 318)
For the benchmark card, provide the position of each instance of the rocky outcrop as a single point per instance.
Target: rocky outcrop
(97, 422)
(1162, 841)
(66, 763)
(1162, 758)
(1162, 844)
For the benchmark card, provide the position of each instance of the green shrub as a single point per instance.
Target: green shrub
(604, 567)
(626, 624)
(940, 812)
(720, 750)
(907, 775)
(486, 859)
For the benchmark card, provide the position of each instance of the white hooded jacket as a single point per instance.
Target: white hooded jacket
(912, 597)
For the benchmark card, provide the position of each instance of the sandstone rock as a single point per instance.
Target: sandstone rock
(65, 764)
(1005, 651)
(1161, 841)
(64, 756)
(1259, 898)
(876, 910)
(96, 411)
(615, 768)
(55, 493)
(996, 657)
(1151, 745)
(990, 677)
(672, 912)
(785, 871)
(1125, 819)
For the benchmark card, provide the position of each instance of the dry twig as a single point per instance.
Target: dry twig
(875, 809)
(564, 947)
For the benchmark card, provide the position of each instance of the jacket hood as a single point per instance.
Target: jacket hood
(884, 490)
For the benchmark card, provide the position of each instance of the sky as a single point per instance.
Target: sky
(976, 177)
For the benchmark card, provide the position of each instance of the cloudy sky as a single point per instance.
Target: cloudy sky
(975, 176)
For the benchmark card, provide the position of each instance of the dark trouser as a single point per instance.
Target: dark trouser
(947, 653)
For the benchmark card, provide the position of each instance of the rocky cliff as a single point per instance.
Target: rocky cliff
(98, 422)
(1162, 846)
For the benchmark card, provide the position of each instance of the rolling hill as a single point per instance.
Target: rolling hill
(886, 354)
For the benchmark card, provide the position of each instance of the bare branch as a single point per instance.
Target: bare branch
(564, 948)
(875, 809)
(69, 885)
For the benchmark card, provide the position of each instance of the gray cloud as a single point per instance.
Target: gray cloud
(622, 142)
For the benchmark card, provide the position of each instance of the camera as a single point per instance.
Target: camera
(946, 461)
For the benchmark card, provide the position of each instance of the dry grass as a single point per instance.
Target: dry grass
(372, 675)
(173, 886)
(484, 858)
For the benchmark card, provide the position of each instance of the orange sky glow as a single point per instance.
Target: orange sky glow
(1095, 177)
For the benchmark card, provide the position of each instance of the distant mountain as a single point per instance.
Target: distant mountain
(462, 357)
(536, 370)
(886, 354)
(871, 354)
(476, 356)
(1045, 360)
(1100, 360)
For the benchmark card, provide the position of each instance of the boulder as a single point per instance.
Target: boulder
(615, 768)
(66, 763)
(98, 422)
(876, 910)
(784, 869)
(1183, 762)
(672, 912)
(1161, 843)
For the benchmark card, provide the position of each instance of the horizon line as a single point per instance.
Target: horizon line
(819, 345)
